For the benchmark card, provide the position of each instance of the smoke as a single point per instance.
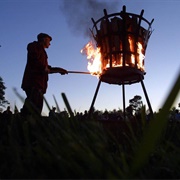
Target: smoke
(78, 13)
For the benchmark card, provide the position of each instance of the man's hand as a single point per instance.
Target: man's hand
(62, 71)
(58, 70)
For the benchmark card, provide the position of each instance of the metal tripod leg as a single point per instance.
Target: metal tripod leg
(94, 98)
(123, 91)
(147, 99)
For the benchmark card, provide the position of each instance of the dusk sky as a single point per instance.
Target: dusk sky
(67, 22)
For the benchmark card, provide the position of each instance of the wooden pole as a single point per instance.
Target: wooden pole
(78, 72)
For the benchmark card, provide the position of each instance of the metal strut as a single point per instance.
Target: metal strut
(94, 98)
(146, 96)
(124, 106)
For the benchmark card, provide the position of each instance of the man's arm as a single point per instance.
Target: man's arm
(57, 70)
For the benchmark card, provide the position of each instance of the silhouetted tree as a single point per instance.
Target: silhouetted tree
(3, 101)
(129, 110)
(135, 104)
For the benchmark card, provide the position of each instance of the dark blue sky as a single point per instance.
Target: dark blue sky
(22, 20)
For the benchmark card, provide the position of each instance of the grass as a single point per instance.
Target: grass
(69, 148)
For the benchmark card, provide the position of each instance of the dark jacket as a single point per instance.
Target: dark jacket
(35, 74)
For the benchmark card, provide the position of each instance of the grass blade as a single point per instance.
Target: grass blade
(57, 106)
(154, 131)
(67, 104)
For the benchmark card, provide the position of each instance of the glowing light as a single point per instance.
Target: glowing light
(94, 58)
(141, 57)
(96, 64)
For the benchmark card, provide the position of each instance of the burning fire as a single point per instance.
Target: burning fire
(94, 58)
(95, 61)
(140, 63)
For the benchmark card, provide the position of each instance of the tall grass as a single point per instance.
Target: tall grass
(153, 134)
(67, 147)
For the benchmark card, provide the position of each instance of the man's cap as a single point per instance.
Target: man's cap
(43, 35)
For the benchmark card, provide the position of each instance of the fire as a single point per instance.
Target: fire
(140, 63)
(140, 58)
(94, 58)
(96, 63)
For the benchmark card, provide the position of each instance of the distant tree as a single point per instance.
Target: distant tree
(129, 110)
(135, 104)
(3, 101)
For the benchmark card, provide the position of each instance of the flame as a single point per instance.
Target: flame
(140, 63)
(96, 65)
(94, 58)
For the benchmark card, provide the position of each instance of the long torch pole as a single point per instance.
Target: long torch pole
(78, 72)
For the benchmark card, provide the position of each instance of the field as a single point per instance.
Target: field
(59, 147)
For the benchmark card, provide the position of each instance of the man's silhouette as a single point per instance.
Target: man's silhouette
(35, 79)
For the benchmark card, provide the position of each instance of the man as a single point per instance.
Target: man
(36, 72)
(52, 112)
(8, 111)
